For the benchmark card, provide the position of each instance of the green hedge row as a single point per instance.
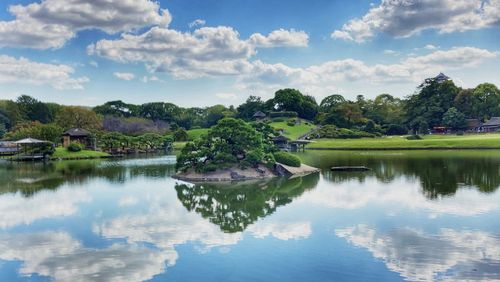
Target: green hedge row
(287, 159)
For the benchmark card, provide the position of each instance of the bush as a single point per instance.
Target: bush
(269, 160)
(279, 119)
(290, 123)
(181, 135)
(254, 157)
(283, 114)
(287, 159)
(208, 168)
(75, 147)
(396, 129)
(413, 137)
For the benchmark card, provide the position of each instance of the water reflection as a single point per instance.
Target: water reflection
(418, 256)
(233, 207)
(422, 218)
(440, 173)
(30, 178)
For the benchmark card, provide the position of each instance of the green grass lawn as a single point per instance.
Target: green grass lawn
(196, 133)
(62, 153)
(476, 141)
(293, 132)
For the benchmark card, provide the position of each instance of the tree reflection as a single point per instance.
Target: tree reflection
(235, 206)
(30, 178)
(439, 173)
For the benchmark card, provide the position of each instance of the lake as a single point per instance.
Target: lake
(417, 216)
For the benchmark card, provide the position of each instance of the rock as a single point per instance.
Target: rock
(236, 176)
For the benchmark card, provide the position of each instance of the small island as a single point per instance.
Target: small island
(235, 150)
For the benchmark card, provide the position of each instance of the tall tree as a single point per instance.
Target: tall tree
(70, 117)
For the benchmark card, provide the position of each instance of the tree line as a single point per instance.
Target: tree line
(434, 103)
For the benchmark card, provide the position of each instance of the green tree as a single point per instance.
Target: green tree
(431, 102)
(117, 109)
(252, 105)
(33, 110)
(486, 101)
(230, 141)
(454, 119)
(71, 117)
(180, 135)
(49, 132)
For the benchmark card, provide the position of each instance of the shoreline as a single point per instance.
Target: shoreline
(403, 149)
(235, 174)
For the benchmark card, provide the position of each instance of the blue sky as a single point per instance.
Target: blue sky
(205, 52)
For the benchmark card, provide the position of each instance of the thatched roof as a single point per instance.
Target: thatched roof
(30, 140)
(259, 114)
(494, 121)
(473, 123)
(280, 138)
(76, 132)
(441, 77)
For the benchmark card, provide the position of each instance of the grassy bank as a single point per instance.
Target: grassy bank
(62, 153)
(482, 141)
(293, 132)
(196, 133)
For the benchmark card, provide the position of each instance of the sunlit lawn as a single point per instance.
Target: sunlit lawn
(293, 132)
(473, 141)
(62, 153)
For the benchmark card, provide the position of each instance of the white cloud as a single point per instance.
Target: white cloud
(50, 23)
(197, 23)
(152, 78)
(226, 96)
(280, 38)
(322, 79)
(17, 209)
(124, 75)
(208, 51)
(430, 47)
(421, 257)
(391, 52)
(404, 18)
(281, 230)
(127, 201)
(94, 64)
(352, 195)
(58, 256)
(24, 71)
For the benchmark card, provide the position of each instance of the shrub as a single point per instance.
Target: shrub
(208, 168)
(283, 114)
(279, 119)
(222, 158)
(75, 147)
(290, 123)
(396, 129)
(254, 157)
(287, 159)
(413, 137)
(269, 160)
(181, 135)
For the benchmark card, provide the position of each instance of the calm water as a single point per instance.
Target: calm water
(416, 216)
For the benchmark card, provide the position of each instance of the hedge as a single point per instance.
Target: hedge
(287, 159)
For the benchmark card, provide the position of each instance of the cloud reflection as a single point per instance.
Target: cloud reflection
(59, 256)
(422, 257)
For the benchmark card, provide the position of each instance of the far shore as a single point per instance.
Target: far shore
(428, 142)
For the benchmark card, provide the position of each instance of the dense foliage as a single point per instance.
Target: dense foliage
(287, 159)
(435, 103)
(230, 142)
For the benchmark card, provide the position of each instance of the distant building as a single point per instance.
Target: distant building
(78, 135)
(259, 115)
(492, 125)
(281, 142)
(474, 125)
(441, 77)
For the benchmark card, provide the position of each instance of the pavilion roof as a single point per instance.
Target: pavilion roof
(30, 140)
